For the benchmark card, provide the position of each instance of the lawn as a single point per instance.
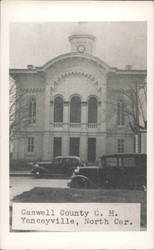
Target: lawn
(49, 195)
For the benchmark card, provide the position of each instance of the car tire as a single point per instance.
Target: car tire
(80, 183)
(38, 174)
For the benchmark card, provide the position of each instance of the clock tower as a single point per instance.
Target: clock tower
(81, 40)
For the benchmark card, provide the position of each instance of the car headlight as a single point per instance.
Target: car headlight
(76, 170)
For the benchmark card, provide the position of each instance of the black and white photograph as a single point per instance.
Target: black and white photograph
(77, 127)
(78, 121)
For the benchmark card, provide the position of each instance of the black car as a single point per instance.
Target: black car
(116, 171)
(61, 165)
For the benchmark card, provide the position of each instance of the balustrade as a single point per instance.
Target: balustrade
(75, 125)
(92, 125)
(58, 124)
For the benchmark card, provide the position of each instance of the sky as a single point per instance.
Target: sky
(117, 43)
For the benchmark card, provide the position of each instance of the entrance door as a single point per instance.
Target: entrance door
(57, 146)
(74, 146)
(91, 149)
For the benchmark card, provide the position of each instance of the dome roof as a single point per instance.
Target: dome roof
(81, 28)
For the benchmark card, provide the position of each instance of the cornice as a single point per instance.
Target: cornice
(127, 72)
(72, 55)
(33, 90)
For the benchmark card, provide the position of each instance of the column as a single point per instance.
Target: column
(46, 136)
(47, 108)
(99, 115)
(51, 114)
(102, 111)
(83, 147)
(100, 145)
(66, 118)
(65, 145)
(84, 116)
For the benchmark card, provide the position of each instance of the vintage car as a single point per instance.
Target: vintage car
(61, 165)
(116, 171)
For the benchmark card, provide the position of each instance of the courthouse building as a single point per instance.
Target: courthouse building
(75, 105)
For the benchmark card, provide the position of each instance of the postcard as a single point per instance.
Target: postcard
(77, 125)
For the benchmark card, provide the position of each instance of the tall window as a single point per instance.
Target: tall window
(120, 113)
(75, 110)
(120, 145)
(57, 146)
(58, 109)
(91, 149)
(30, 148)
(32, 110)
(92, 110)
(74, 146)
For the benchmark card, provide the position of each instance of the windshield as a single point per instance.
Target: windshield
(111, 162)
(129, 162)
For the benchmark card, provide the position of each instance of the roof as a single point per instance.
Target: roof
(124, 154)
(72, 157)
(62, 57)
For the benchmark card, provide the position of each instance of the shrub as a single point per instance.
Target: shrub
(19, 165)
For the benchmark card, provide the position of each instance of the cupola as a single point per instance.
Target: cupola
(81, 40)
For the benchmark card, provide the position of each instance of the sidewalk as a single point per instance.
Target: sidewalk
(20, 173)
(28, 173)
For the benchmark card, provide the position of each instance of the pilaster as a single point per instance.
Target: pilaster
(46, 146)
(100, 145)
(84, 116)
(47, 108)
(46, 136)
(83, 147)
(65, 145)
(66, 115)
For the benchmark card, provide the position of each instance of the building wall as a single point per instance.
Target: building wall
(67, 77)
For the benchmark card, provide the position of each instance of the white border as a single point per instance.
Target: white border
(48, 11)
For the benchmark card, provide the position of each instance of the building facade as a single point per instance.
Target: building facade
(75, 105)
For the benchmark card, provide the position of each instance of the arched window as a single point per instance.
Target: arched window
(75, 110)
(92, 110)
(32, 110)
(120, 113)
(58, 109)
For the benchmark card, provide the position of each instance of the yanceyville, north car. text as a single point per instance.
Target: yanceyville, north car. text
(76, 217)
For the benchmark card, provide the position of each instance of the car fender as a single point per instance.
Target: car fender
(82, 177)
(40, 169)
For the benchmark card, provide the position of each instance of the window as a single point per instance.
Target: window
(30, 145)
(120, 113)
(91, 149)
(32, 110)
(58, 109)
(74, 146)
(57, 147)
(111, 162)
(75, 110)
(58, 161)
(120, 146)
(129, 162)
(92, 110)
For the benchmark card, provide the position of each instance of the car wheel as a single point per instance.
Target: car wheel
(38, 174)
(80, 183)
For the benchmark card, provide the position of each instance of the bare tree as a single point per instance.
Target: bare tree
(135, 104)
(18, 111)
(135, 107)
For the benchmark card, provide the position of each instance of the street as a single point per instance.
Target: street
(20, 184)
